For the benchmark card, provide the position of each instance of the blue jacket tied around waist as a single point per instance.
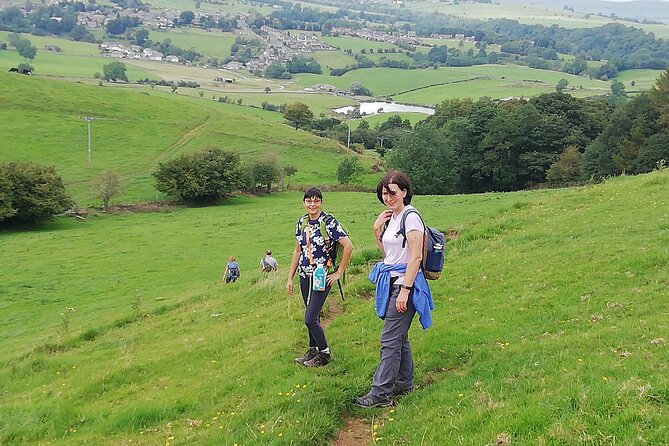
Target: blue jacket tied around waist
(422, 297)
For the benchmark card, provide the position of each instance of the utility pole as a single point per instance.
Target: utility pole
(348, 144)
(88, 120)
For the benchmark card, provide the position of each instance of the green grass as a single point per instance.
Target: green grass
(550, 326)
(136, 128)
(226, 5)
(333, 59)
(643, 79)
(496, 81)
(215, 44)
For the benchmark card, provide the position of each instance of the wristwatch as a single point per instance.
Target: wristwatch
(406, 287)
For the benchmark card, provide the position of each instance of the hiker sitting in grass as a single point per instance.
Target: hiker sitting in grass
(268, 263)
(317, 234)
(231, 273)
(401, 289)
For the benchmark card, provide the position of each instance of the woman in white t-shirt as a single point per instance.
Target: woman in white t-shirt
(401, 289)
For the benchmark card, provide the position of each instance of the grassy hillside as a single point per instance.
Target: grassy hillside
(136, 128)
(550, 326)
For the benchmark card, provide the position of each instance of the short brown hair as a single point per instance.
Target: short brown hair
(398, 178)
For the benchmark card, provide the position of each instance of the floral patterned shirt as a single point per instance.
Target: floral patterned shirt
(319, 250)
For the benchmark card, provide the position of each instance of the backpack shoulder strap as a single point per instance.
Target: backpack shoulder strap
(303, 221)
(324, 220)
(402, 229)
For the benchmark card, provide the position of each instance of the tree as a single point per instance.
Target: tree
(298, 113)
(200, 177)
(360, 90)
(141, 36)
(426, 155)
(6, 209)
(265, 173)
(618, 89)
(115, 27)
(275, 70)
(25, 49)
(652, 152)
(108, 186)
(659, 95)
(80, 34)
(186, 17)
(25, 68)
(113, 71)
(561, 85)
(30, 193)
(349, 170)
(289, 170)
(267, 89)
(567, 168)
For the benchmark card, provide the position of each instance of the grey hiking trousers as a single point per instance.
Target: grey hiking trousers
(395, 371)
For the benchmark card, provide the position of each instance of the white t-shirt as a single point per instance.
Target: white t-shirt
(392, 245)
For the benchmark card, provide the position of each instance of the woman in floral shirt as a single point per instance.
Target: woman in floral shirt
(311, 249)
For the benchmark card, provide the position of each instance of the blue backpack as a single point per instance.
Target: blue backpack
(434, 243)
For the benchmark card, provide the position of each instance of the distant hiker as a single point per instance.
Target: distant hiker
(268, 263)
(401, 290)
(231, 273)
(317, 235)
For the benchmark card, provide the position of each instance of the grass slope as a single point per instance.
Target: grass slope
(136, 128)
(550, 326)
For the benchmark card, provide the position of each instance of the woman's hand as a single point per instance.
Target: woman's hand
(289, 287)
(382, 219)
(402, 299)
(332, 278)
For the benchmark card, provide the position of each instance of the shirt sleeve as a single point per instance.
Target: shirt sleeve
(298, 233)
(413, 223)
(335, 230)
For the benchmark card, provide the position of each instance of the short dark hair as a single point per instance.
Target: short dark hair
(398, 178)
(314, 192)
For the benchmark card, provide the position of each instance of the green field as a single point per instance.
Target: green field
(216, 44)
(643, 79)
(550, 326)
(225, 5)
(333, 59)
(136, 128)
(496, 81)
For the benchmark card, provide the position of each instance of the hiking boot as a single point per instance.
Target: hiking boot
(319, 360)
(402, 391)
(369, 401)
(310, 354)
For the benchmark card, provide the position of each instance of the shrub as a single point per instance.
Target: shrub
(349, 170)
(200, 177)
(30, 193)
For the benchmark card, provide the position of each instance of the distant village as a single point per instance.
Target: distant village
(280, 46)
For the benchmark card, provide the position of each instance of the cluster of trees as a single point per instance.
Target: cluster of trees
(298, 64)
(30, 193)
(54, 19)
(214, 174)
(479, 146)
(119, 25)
(245, 49)
(382, 137)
